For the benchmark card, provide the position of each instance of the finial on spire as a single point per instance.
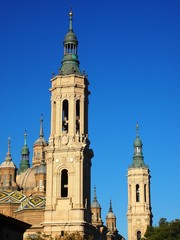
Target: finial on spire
(70, 20)
(41, 134)
(25, 138)
(95, 197)
(95, 203)
(9, 144)
(8, 155)
(137, 129)
(110, 207)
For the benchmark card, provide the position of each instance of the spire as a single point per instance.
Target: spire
(96, 211)
(24, 164)
(138, 159)
(95, 203)
(25, 138)
(8, 155)
(110, 207)
(25, 149)
(70, 20)
(95, 197)
(8, 159)
(137, 130)
(8, 168)
(41, 140)
(41, 134)
(70, 62)
(110, 213)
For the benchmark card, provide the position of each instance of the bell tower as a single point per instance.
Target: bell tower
(68, 155)
(139, 213)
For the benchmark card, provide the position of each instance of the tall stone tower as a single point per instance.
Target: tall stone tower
(68, 155)
(139, 214)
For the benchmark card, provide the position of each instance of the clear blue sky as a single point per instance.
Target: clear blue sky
(131, 52)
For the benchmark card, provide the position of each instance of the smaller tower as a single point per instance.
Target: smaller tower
(96, 211)
(8, 172)
(24, 164)
(112, 232)
(139, 205)
(111, 220)
(39, 146)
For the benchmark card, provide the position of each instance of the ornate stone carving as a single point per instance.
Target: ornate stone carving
(64, 140)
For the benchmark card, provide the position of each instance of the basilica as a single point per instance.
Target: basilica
(53, 193)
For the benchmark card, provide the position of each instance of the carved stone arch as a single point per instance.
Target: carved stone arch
(63, 172)
(82, 97)
(78, 97)
(65, 97)
(59, 167)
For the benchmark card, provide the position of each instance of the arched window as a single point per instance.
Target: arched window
(10, 180)
(65, 109)
(44, 185)
(77, 115)
(70, 48)
(64, 183)
(54, 118)
(138, 235)
(138, 149)
(137, 193)
(144, 192)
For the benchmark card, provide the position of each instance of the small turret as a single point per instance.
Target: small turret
(111, 219)
(8, 171)
(41, 140)
(70, 62)
(24, 164)
(96, 211)
(138, 159)
(8, 159)
(39, 145)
